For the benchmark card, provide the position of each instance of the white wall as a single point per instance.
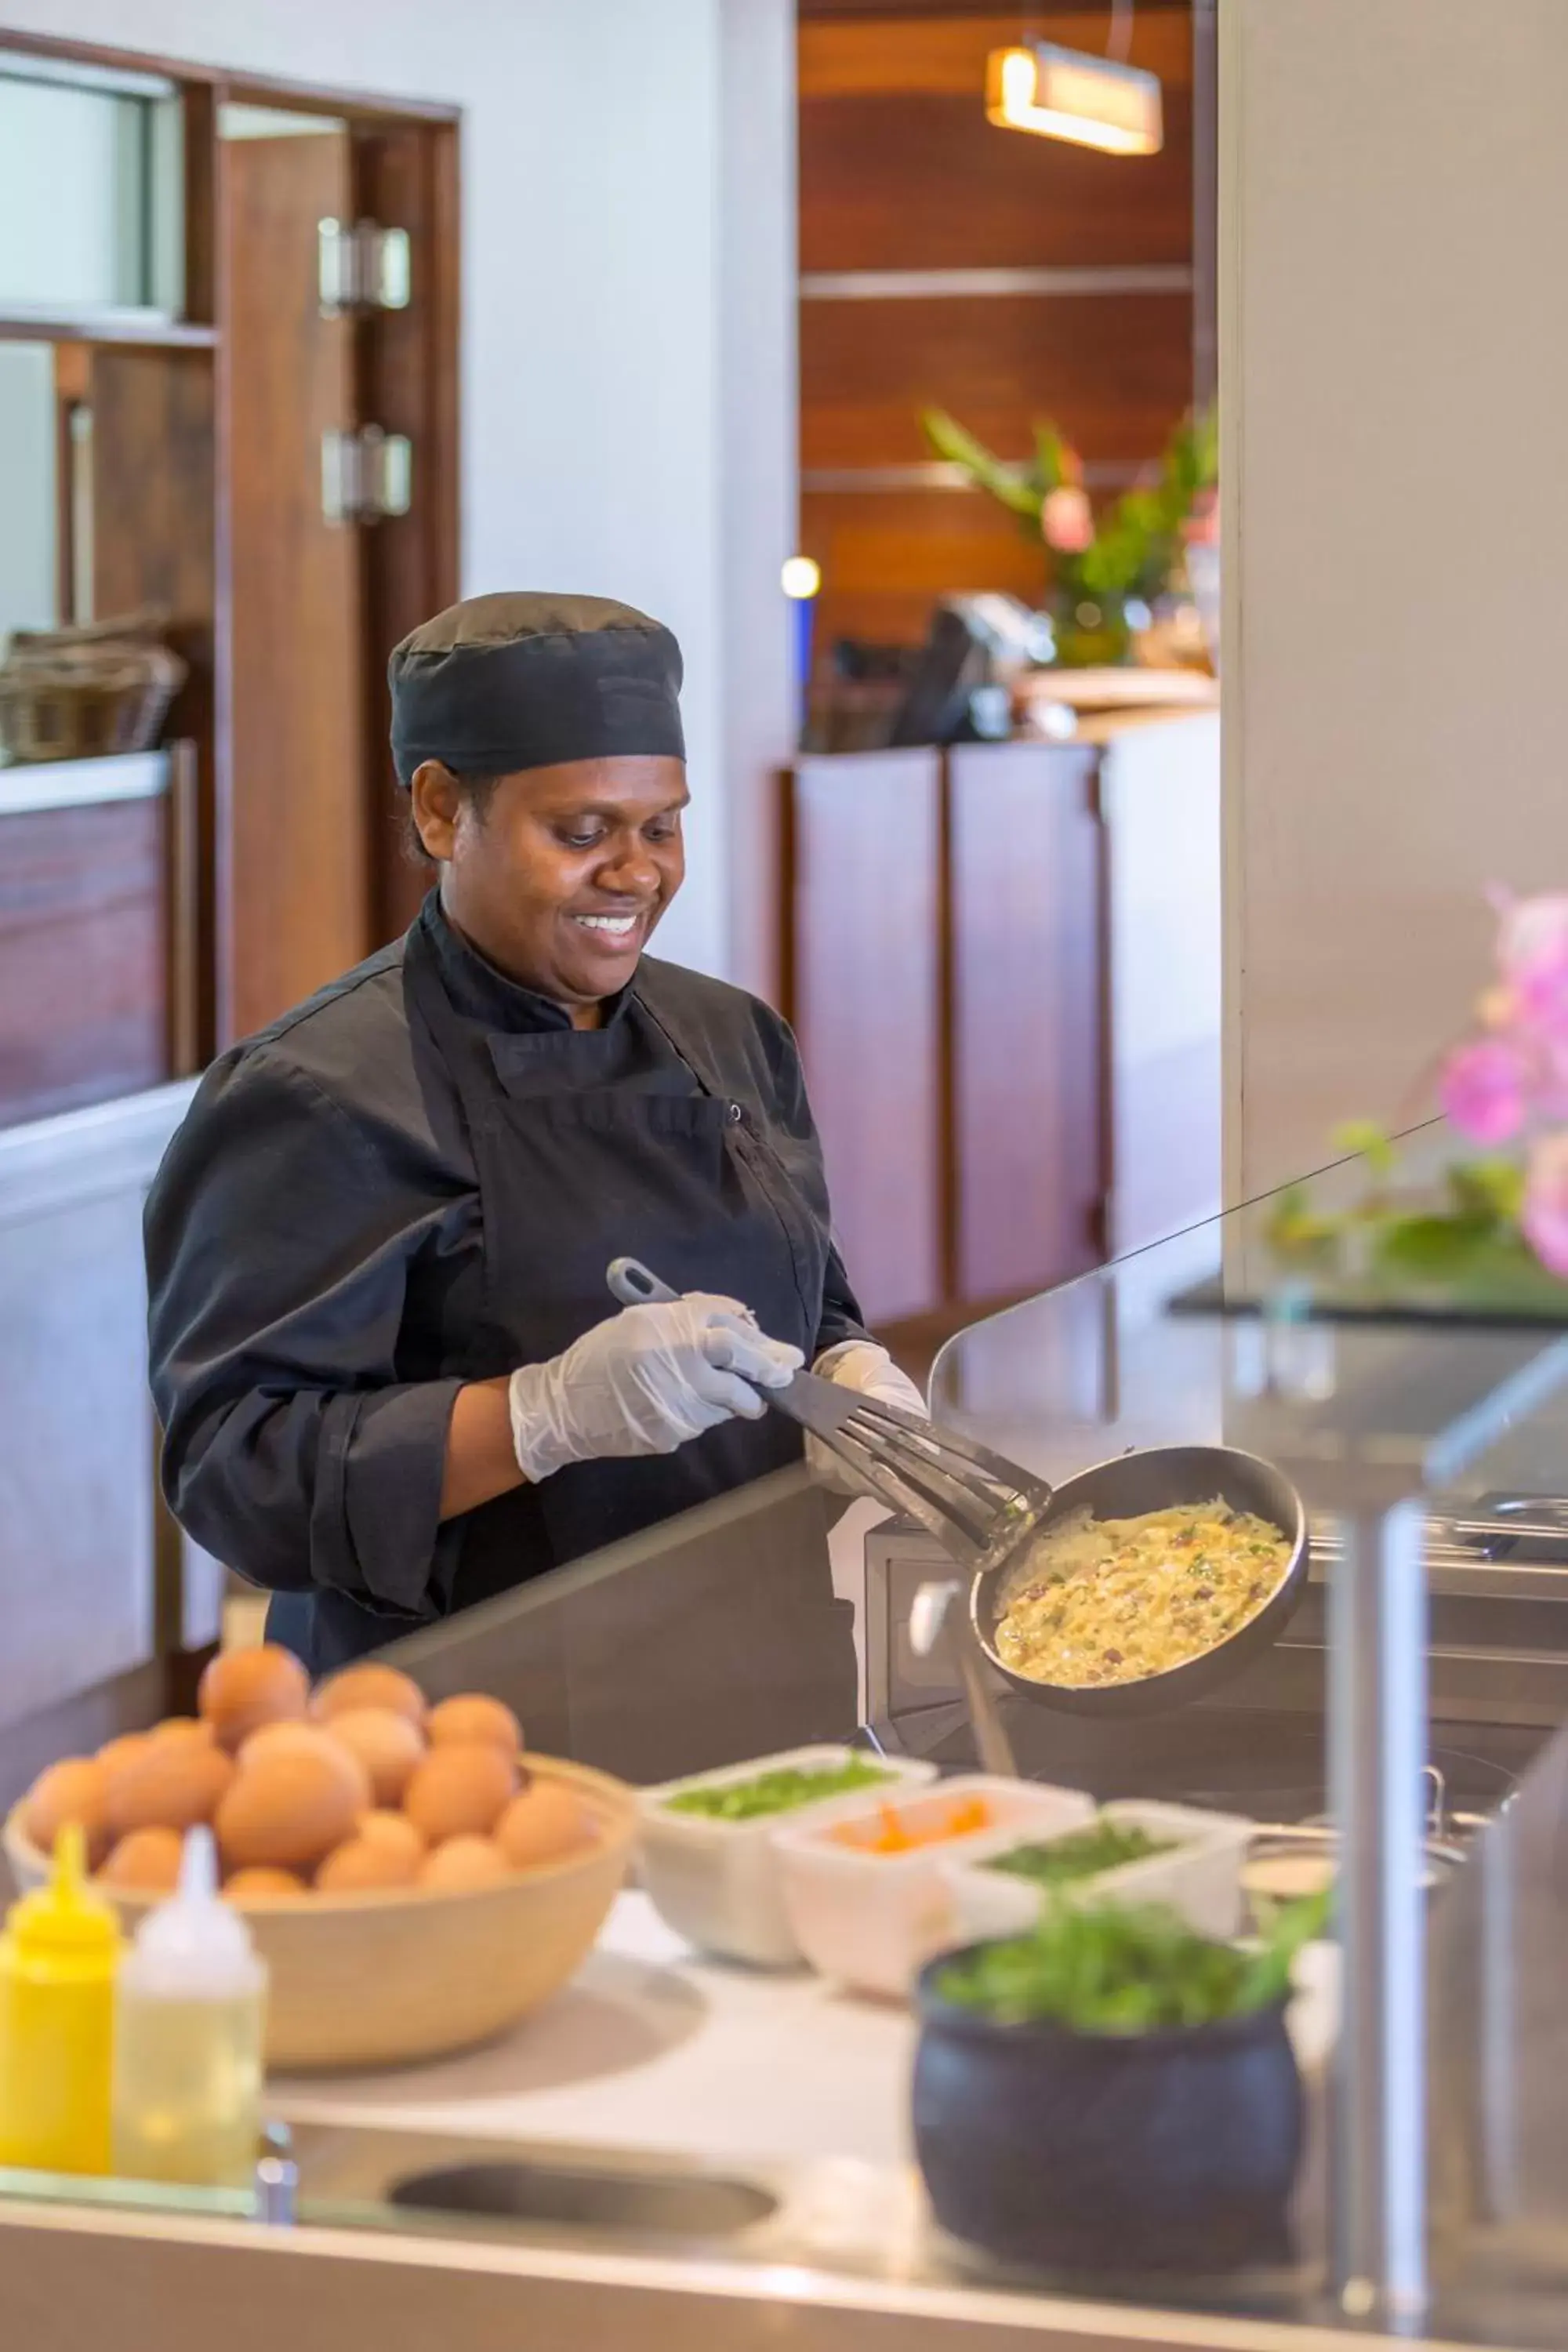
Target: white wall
(598, 377)
(1394, 374)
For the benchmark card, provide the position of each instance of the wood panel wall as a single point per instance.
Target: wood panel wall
(901, 173)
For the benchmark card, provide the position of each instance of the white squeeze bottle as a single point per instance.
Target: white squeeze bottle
(189, 2012)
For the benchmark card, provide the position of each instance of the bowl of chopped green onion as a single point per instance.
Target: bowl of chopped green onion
(1112, 2090)
(1135, 1851)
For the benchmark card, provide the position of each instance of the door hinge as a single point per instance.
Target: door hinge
(365, 476)
(362, 266)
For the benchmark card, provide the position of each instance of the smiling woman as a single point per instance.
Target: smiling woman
(377, 1248)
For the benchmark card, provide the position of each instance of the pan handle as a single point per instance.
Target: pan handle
(632, 1284)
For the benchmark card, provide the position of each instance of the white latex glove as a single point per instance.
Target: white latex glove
(645, 1382)
(858, 1364)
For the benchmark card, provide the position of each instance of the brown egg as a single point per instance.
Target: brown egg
(394, 1834)
(171, 1785)
(177, 1727)
(262, 1884)
(75, 1789)
(243, 1689)
(460, 1791)
(145, 1862)
(294, 1740)
(361, 1686)
(463, 1721)
(387, 1745)
(362, 1865)
(290, 1808)
(547, 1820)
(462, 1864)
(115, 1752)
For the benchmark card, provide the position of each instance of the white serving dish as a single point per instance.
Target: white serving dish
(1200, 1878)
(871, 1921)
(717, 1882)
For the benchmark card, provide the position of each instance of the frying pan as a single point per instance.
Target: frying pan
(1132, 1484)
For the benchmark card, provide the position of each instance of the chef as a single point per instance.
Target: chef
(381, 1351)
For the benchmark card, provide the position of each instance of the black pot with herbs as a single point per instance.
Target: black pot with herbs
(1113, 2093)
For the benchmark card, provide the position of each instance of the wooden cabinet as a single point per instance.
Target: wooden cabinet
(1004, 962)
(1028, 1003)
(945, 974)
(864, 990)
(96, 986)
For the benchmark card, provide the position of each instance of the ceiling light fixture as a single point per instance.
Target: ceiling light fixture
(1058, 93)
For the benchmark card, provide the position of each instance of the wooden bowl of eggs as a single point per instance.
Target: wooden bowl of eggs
(414, 1879)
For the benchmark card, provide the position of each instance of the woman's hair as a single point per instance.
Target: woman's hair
(478, 791)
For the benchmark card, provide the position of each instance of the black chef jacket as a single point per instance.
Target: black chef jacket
(321, 1283)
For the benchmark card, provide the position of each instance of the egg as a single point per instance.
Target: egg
(475, 1718)
(546, 1821)
(177, 1727)
(457, 1791)
(295, 1739)
(361, 1686)
(393, 1833)
(243, 1689)
(171, 1785)
(387, 1745)
(292, 1808)
(147, 1862)
(75, 1789)
(362, 1865)
(261, 1883)
(462, 1864)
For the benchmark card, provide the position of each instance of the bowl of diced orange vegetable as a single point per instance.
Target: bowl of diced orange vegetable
(865, 1891)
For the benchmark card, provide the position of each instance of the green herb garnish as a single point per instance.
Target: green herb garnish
(1110, 1970)
(776, 1792)
(1080, 1854)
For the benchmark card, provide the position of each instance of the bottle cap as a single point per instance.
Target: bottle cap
(196, 1945)
(65, 1916)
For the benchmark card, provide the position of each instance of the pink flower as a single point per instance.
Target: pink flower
(1544, 1217)
(1533, 957)
(1066, 520)
(1482, 1090)
(1202, 526)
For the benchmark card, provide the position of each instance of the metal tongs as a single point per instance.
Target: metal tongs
(980, 1507)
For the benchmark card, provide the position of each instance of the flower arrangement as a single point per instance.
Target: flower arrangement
(1101, 567)
(1502, 1231)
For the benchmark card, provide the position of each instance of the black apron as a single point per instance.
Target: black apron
(694, 1186)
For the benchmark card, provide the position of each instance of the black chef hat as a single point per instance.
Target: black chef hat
(500, 683)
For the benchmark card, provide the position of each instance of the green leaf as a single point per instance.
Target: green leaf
(954, 442)
(1055, 463)
(1488, 1187)
(1363, 1139)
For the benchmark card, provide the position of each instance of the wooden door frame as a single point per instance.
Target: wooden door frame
(412, 384)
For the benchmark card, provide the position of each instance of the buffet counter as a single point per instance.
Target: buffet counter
(680, 2151)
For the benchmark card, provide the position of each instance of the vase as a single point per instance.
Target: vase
(1091, 633)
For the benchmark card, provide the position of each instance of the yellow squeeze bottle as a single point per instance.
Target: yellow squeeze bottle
(58, 1955)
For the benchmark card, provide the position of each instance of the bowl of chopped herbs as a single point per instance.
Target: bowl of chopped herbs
(1112, 2091)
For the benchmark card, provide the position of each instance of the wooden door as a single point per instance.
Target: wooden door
(1028, 1015)
(293, 858)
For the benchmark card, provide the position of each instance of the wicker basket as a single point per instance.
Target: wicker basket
(80, 693)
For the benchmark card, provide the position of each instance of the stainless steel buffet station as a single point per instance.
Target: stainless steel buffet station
(682, 2152)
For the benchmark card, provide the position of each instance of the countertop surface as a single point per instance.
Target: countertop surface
(653, 2048)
